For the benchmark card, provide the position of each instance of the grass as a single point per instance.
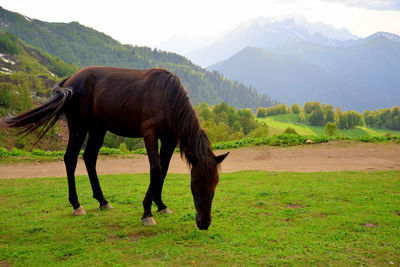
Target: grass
(259, 218)
(277, 124)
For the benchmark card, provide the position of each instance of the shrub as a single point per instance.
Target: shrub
(123, 148)
(290, 130)
(3, 152)
(260, 131)
(17, 152)
(330, 129)
(109, 151)
(141, 151)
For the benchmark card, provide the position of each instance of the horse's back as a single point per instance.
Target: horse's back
(120, 100)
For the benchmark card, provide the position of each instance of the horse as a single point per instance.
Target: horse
(153, 104)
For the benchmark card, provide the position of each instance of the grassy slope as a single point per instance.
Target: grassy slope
(277, 124)
(268, 218)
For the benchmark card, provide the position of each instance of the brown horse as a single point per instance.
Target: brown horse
(152, 104)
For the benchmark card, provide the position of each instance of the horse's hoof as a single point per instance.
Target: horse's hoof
(149, 221)
(106, 207)
(79, 211)
(165, 211)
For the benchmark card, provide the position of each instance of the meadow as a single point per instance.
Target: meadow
(259, 218)
(278, 123)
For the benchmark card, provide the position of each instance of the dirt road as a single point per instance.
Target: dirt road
(308, 158)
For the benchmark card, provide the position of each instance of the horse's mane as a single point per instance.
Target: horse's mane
(193, 142)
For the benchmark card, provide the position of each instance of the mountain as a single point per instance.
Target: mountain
(265, 33)
(26, 78)
(83, 46)
(358, 77)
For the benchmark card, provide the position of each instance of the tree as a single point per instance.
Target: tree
(302, 116)
(341, 121)
(246, 113)
(221, 107)
(329, 115)
(237, 127)
(395, 111)
(309, 107)
(248, 124)
(296, 108)
(278, 109)
(261, 112)
(330, 129)
(316, 117)
(260, 131)
(5, 97)
(369, 118)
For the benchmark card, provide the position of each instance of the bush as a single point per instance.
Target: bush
(42, 153)
(260, 131)
(109, 151)
(3, 152)
(141, 151)
(290, 130)
(330, 129)
(123, 148)
(17, 152)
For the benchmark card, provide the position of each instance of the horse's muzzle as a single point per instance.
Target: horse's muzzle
(203, 222)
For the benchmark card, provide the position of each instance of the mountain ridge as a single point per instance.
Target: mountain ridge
(83, 46)
(265, 33)
(358, 77)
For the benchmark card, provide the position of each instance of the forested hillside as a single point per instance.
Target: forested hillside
(26, 78)
(83, 46)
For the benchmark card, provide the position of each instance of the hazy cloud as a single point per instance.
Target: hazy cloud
(370, 4)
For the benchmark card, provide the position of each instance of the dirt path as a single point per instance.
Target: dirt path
(308, 158)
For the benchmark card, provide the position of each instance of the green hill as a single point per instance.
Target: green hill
(277, 125)
(83, 46)
(26, 78)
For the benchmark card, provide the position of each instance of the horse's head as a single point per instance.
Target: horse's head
(204, 180)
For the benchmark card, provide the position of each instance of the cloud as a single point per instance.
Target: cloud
(370, 4)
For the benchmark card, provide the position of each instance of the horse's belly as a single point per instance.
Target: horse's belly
(125, 133)
(124, 128)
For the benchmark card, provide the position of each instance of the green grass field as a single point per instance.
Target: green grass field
(277, 124)
(259, 218)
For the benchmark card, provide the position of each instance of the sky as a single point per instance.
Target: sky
(151, 22)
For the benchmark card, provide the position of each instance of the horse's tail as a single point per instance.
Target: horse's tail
(44, 116)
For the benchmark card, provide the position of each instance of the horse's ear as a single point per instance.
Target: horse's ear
(220, 158)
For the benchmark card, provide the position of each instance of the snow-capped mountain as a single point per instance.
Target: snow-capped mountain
(266, 33)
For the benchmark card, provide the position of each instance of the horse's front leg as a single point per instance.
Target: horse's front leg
(168, 145)
(151, 144)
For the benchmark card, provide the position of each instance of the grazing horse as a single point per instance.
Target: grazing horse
(152, 104)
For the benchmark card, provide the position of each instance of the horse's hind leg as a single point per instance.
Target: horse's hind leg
(96, 137)
(168, 145)
(76, 137)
